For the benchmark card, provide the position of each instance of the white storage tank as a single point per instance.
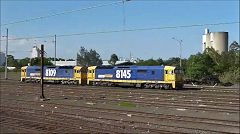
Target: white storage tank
(216, 40)
(35, 52)
(219, 41)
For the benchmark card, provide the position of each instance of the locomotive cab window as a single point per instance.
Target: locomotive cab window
(89, 71)
(93, 71)
(166, 72)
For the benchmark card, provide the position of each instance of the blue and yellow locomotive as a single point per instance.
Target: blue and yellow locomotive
(163, 77)
(55, 74)
(166, 77)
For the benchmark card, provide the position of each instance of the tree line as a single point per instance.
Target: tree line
(209, 64)
(18, 63)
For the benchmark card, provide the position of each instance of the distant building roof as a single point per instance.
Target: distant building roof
(65, 63)
(121, 62)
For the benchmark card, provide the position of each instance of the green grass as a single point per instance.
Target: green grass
(125, 104)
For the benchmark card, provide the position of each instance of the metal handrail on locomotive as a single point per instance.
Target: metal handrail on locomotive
(163, 77)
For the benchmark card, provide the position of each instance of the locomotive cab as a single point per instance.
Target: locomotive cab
(23, 73)
(178, 78)
(173, 75)
(80, 74)
(91, 74)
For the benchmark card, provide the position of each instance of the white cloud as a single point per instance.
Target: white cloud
(22, 48)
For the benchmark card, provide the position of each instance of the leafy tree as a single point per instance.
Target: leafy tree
(150, 62)
(37, 62)
(231, 76)
(234, 47)
(160, 61)
(88, 58)
(57, 59)
(113, 59)
(174, 61)
(199, 66)
(223, 61)
(70, 60)
(11, 61)
(23, 62)
(213, 54)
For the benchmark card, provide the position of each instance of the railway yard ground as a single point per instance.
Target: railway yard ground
(92, 109)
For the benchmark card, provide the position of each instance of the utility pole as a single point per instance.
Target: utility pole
(0, 38)
(42, 65)
(180, 55)
(6, 54)
(55, 45)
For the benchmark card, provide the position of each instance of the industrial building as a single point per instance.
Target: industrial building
(216, 40)
(35, 52)
(2, 59)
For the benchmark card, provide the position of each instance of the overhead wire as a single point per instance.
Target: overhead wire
(62, 13)
(128, 30)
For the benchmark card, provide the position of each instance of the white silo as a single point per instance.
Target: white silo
(219, 41)
(206, 40)
(216, 40)
(35, 52)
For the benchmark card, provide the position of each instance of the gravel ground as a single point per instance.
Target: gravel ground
(113, 116)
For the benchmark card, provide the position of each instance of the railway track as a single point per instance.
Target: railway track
(200, 101)
(198, 90)
(191, 105)
(42, 123)
(144, 116)
(176, 104)
(132, 92)
(117, 120)
(72, 123)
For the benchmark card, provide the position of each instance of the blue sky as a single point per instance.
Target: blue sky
(138, 14)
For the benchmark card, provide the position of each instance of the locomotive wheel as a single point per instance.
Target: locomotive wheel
(157, 86)
(166, 86)
(139, 85)
(146, 85)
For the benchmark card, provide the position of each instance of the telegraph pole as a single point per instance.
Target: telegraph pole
(6, 54)
(42, 65)
(55, 45)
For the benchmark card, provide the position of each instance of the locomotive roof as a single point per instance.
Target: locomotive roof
(139, 67)
(130, 67)
(57, 67)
